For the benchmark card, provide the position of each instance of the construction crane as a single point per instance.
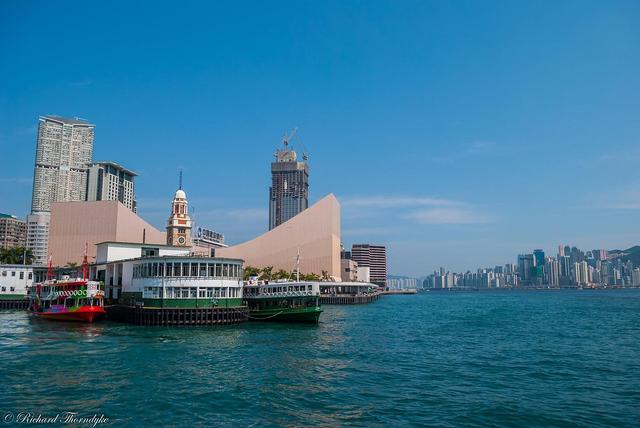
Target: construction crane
(287, 138)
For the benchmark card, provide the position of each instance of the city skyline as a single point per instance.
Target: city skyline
(461, 165)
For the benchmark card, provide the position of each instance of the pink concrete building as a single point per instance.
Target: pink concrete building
(315, 233)
(75, 223)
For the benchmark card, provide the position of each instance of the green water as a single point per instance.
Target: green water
(568, 358)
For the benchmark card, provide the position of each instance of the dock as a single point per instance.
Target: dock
(407, 291)
(177, 316)
(14, 303)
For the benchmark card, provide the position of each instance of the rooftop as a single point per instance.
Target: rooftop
(117, 166)
(66, 120)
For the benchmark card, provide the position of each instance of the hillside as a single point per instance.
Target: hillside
(632, 254)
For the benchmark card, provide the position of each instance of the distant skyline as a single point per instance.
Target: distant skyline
(458, 134)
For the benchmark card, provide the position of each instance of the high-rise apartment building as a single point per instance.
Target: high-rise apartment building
(38, 236)
(63, 154)
(109, 181)
(64, 151)
(526, 268)
(289, 191)
(374, 257)
(13, 231)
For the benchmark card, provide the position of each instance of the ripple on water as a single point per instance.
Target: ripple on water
(446, 359)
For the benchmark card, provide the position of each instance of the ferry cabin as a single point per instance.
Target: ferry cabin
(73, 294)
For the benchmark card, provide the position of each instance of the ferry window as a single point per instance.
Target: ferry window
(21, 275)
(218, 269)
(184, 293)
(212, 269)
(224, 292)
(176, 269)
(12, 289)
(225, 270)
(203, 269)
(169, 269)
(194, 269)
(193, 292)
(155, 269)
(161, 269)
(202, 292)
(209, 292)
(4, 288)
(169, 292)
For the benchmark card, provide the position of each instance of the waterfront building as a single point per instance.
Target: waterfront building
(313, 236)
(552, 272)
(581, 273)
(364, 274)
(75, 225)
(109, 181)
(13, 231)
(167, 276)
(402, 283)
(38, 237)
(374, 257)
(179, 224)
(64, 150)
(289, 191)
(349, 270)
(15, 280)
(526, 265)
(635, 277)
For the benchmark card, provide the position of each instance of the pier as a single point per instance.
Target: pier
(344, 299)
(14, 303)
(348, 293)
(177, 316)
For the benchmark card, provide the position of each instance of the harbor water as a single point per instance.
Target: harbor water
(510, 358)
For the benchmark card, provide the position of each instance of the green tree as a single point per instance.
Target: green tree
(16, 256)
(267, 273)
(325, 276)
(281, 274)
(250, 271)
(310, 277)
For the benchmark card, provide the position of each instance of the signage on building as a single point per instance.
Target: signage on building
(209, 236)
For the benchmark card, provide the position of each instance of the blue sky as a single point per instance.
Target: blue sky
(456, 133)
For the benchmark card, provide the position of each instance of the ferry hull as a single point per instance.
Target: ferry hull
(290, 315)
(87, 314)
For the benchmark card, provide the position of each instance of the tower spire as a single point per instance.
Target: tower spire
(180, 187)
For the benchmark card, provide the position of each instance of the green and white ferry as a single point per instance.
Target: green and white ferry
(296, 302)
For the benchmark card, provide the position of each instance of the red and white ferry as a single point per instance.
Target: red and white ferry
(68, 299)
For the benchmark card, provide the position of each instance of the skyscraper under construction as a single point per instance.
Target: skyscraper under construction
(289, 191)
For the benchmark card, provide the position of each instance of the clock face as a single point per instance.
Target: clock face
(181, 240)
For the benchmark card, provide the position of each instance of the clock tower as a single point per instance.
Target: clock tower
(179, 225)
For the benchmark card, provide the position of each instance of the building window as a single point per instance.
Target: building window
(185, 269)
(30, 275)
(21, 275)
